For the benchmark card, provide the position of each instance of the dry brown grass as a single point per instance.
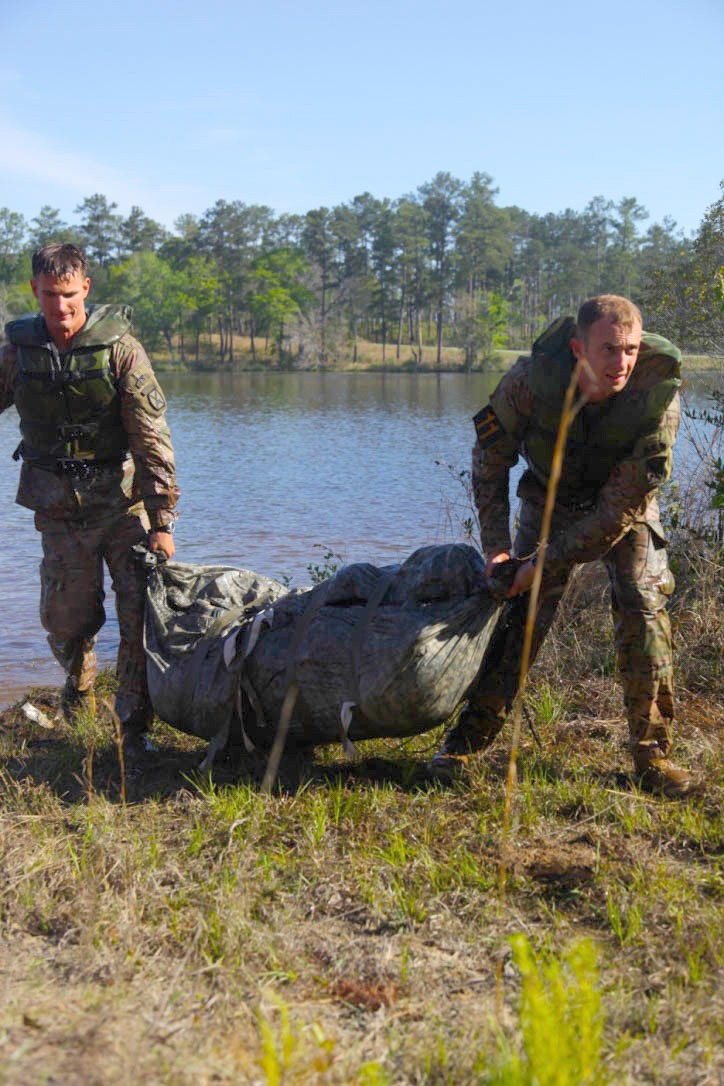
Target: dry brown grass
(369, 357)
(349, 928)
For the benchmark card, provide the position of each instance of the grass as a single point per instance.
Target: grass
(352, 927)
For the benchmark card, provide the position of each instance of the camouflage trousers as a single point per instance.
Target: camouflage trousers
(72, 595)
(641, 583)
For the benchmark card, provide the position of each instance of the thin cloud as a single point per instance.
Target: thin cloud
(70, 175)
(32, 157)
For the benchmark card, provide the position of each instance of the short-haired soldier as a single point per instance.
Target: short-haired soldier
(97, 470)
(618, 453)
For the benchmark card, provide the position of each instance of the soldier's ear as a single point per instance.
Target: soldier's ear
(579, 351)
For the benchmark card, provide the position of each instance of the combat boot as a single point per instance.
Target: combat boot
(74, 702)
(656, 774)
(135, 744)
(473, 732)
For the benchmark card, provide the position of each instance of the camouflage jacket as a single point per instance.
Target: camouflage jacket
(148, 476)
(627, 496)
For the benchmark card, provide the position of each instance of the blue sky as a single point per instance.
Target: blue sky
(172, 106)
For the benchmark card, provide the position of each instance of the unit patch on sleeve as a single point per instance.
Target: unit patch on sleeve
(156, 399)
(487, 427)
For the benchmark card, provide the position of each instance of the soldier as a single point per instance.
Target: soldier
(618, 452)
(98, 472)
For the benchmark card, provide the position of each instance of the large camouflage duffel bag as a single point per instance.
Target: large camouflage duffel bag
(371, 652)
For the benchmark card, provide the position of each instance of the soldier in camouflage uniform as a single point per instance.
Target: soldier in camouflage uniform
(98, 471)
(618, 452)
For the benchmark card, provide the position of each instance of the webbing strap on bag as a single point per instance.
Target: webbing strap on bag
(291, 687)
(358, 635)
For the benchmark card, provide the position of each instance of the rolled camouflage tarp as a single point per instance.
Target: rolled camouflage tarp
(371, 652)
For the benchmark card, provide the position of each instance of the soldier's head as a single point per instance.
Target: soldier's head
(607, 341)
(61, 286)
(59, 260)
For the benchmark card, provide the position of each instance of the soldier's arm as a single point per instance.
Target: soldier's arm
(623, 499)
(491, 486)
(143, 412)
(8, 375)
(499, 427)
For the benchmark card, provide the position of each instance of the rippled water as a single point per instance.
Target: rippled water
(276, 470)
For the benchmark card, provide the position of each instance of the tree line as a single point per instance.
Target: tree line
(445, 266)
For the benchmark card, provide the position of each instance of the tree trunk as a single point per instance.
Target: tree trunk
(323, 318)
(169, 343)
(400, 319)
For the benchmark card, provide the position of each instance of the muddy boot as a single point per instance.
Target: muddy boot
(656, 774)
(473, 732)
(135, 744)
(75, 702)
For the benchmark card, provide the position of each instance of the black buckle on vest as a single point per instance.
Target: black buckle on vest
(72, 433)
(78, 469)
(586, 506)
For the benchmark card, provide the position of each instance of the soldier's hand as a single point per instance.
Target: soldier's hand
(523, 579)
(494, 558)
(500, 571)
(160, 541)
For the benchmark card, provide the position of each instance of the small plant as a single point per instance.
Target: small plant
(696, 964)
(409, 902)
(331, 562)
(560, 1020)
(289, 1054)
(465, 518)
(625, 921)
(548, 703)
(317, 820)
(373, 1074)
(277, 1046)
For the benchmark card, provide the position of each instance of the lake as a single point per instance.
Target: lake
(277, 470)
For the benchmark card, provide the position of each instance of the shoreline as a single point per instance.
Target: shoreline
(692, 366)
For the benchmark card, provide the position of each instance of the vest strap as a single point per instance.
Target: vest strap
(61, 377)
(79, 469)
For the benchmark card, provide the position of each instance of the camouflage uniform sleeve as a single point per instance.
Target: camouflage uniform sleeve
(143, 411)
(499, 426)
(8, 375)
(624, 498)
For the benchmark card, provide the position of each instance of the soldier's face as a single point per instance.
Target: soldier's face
(62, 303)
(611, 352)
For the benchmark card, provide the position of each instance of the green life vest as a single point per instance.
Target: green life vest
(69, 407)
(601, 435)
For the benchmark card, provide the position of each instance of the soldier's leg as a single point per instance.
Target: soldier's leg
(641, 583)
(492, 695)
(71, 603)
(133, 704)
